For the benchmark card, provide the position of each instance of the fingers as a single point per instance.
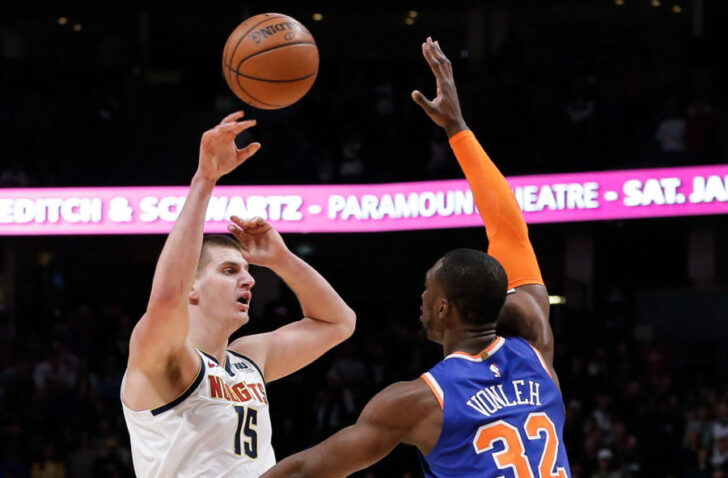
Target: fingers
(439, 63)
(438, 51)
(429, 57)
(232, 117)
(247, 151)
(248, 223)
(254, 225)
(237, 232)
(236, 127)
(422, 102)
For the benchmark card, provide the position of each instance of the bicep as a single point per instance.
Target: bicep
(526, 314)
(303, 341)
(157, 336)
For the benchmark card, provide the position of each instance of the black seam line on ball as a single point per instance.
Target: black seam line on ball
(235, 72)
(274, 48)
(242, 37)
(242, 88)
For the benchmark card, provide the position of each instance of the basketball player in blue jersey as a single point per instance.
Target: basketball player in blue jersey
(492, 407)
(194, 404)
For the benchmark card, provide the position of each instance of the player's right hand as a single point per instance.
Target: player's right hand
(218, 153)
(444, 110)
(262, 245)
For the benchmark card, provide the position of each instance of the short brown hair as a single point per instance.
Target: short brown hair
(215, 240)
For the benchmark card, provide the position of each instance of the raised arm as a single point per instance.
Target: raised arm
(158, 347)
(526, 312)
(327, 319)
(405, 412)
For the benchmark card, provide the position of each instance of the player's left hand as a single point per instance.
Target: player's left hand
(262, 245)
(444, 110)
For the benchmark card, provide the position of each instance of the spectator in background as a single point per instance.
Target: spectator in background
(12, 178)
(352, 166)
(81, 461)
(700, 130)
(115, 461)
(604, 460)
(49, 466)
(671, 136)
(695, 458)
(697, 422)
(58, 371)
(720, 437)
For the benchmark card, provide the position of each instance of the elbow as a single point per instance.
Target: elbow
(348, 324)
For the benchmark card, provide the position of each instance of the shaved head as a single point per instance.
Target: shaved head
(475, 282)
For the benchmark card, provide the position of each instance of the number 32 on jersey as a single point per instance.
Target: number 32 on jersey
(513, 455)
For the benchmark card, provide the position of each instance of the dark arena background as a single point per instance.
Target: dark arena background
(120, 97)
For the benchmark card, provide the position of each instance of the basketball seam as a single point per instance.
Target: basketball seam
(273, 48)
(236, 72)
(237, 80)
(242, 37)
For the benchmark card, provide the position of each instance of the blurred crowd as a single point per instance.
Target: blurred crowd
(115, 104)
(634, 407)
(550, 96)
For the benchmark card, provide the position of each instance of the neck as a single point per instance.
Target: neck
(471, 341)
(208, 336)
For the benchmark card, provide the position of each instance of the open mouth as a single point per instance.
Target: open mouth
(244, 299)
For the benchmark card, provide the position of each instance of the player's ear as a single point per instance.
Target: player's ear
(444, 309)
(194, 295)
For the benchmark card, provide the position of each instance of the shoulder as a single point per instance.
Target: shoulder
(147, 389)
(242, 361)
(408, 410)
(253, 348)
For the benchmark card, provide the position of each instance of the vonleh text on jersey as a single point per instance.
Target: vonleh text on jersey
(493, 398)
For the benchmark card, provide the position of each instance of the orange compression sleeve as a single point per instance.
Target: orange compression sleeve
(504, 224)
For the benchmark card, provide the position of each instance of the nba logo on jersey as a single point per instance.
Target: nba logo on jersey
(496, 371)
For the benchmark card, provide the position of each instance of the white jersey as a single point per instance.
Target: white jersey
(220, 426)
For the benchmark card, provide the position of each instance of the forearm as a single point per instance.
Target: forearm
(295, 466)
(177, 263)
(347, 451)
(390, 418)
(318, 299)
(310, 464)
(505, 227)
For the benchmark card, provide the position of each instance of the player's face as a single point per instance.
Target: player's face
(223, 287)
(431, 304)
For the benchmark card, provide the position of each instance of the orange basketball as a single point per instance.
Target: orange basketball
(270, 61)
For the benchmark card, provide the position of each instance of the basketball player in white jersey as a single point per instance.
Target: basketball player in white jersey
(194, 404)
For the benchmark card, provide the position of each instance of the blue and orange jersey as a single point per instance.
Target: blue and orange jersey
(503, 415)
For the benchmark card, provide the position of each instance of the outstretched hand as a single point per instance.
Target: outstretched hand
(444, 110)
(218, 153)
(262, 245)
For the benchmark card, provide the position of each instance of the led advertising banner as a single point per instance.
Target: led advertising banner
(549, 198)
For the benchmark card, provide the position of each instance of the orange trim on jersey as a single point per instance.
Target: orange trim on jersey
(486, 351)
(505, 227)
(435, 392)
(543, 362)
